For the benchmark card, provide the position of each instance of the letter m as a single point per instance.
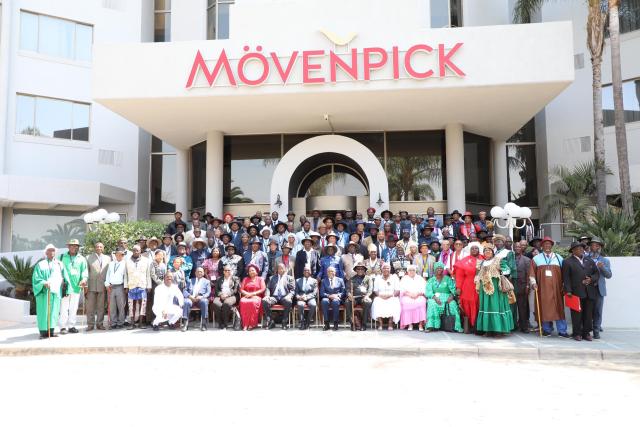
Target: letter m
(200, 64)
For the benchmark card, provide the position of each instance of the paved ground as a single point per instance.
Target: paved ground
(615, 345)
(131, 390)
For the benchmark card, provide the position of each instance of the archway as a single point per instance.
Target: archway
(305, 156)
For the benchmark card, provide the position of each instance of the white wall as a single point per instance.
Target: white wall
(620, 309)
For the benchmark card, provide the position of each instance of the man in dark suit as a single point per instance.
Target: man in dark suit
(307, 255)
(280, 290)
(332, 293)
(257, 257)
(306, 292)
(580, 276)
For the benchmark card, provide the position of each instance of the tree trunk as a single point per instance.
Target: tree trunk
(595, 42)
(621, 133)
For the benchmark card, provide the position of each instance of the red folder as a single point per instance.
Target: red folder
(573, 302)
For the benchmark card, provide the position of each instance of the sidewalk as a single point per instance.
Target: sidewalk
(616, 345)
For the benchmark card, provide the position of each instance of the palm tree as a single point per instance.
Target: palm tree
(60, 235)
(411, 178)
(236, 195)
(618, 105)
(523, 10)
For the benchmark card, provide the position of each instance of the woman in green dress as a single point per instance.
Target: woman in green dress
(440, 290)
(494, 314)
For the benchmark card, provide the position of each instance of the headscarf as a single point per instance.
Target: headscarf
(438, 265)
(49, 246)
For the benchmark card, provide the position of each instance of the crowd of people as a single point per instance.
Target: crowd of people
(389, 271)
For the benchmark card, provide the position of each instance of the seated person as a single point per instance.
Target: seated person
(167, 302)
(225, 296)
(360, 289)
(197, 292)
(440, 292)
(386, 304)
(306, 293)
(280, 290)
(332, 292)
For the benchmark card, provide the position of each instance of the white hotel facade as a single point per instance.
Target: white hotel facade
(143, 107)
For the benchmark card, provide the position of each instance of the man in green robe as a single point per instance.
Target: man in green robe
(76, 267)
(48, 275)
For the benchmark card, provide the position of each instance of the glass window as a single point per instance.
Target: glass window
(223, 21)
(456, 13)
(629, 17)
(163, 183)
(159, 146)
(526, 133)
(80, 122)
(162, 21)
(630, 97)
(198, 175)
(218, 19)
(249, 165)
(55, 37)
(374, 141)
(53, 117)
(415, 166)
(522, 178)
(25, 110)
(33, 230)
(337, 184)
(84, 41)
(211, 19)
(28, 31)
(446, 13)
(476, 168)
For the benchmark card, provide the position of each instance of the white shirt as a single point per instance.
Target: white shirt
(163, 298)
(116, 273)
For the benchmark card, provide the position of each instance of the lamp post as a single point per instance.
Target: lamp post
(510, 215)
(101, 216)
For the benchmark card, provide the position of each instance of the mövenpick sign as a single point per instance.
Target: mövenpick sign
(369, 63)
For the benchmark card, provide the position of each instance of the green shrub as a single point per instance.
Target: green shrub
(109, 234)
(19, 272)
(618, 231)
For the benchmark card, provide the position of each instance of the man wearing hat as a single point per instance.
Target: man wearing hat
(272, 254)
(350, 259)
(199, 254)
(585, 240)
(47, 279)
(467, 227)
(373, 263)
(545, 275)
(342, 235)
(604, 268)
(359, 291)
(456, 223)
(168, 247)
(256, 257)
(137, 285)
(123, 243)
(281, 233)
(331, 259)
(286, 258)
(264, 241)
(97, 265)
(187, 262)
(580, 276)
(236, 262)
(172, 228)
(76, 267)
(510, 269)
(304, 232)
(152, 245)
(307, 256)
(535, 243)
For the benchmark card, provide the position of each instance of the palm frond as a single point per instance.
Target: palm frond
(523, 10)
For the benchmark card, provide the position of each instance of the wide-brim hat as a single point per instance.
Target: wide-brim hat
(254, 227)
(273, 240)
(499, 237)
(535, 239)
(306, 238)
(226, 234)
(372, 248)
(455, 211)
(167, 236)
(359, 264)
(386, 211)
(468, 213)
(286, 245)
(597, 240)
(230, 246)
(327, 218)
(255, 217)
(226, 214)
(142, 239)
(154, 239)
(548, 239)
(314, 234)
(331, 245)
(584, 238)
(254, 241)
(344, 224)
(199, 240)
(281, 224)
(182, 244)
(575, 245)
(73, 242)
(266, 229)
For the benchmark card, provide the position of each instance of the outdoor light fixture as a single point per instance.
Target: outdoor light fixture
(380, 202)
(278, 202)
(510, 214)
(101, 216)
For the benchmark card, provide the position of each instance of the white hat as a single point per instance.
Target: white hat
(266, 229)
(49, 246)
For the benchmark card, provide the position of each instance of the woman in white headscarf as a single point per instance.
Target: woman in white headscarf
(386, 304)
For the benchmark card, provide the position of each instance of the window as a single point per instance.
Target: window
(476, 168)
(630, 97)
(446, 13)
(415, 165)
(162, 21)
(53, 118)
(56, 37)
(198, 175)
(218, 19)
(629, 17)
(163, 177)
(521, 174)
(32, 230)
(335, 180)
(526, 133)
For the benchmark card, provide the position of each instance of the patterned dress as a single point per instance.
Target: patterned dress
(494, 314)
(443, 289)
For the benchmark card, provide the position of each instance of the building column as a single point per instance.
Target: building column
(455, 167)
(182, 181)
(500, 188)
(214, 173)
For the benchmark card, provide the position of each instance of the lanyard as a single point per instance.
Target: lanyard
(548, 260)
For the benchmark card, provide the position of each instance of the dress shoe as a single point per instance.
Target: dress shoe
(203, 326)
(327, 326)
(335, 326)
(271, 324)
(577, 338)
(565, 335)
(73, 330)
(285, 326)
(587, 337)
(90, 328)
(185, 326)
(301, 326)
(546, 334)
(100, 327)
(156, 328)
(596, 335)
(63, 331)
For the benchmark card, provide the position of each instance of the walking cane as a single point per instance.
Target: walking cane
(48, 312)
(353, 311)
(538, 311)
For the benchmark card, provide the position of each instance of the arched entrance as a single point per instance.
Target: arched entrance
(310, 159)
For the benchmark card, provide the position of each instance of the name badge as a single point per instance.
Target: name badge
(548, 273)
(425, 274)
(363, 289)
(401, 273)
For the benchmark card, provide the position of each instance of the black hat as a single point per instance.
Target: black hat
(341, 223)
(575, 245)
(584, 238)
(253, 226)
(291, 213)
(226, 234)
(535, 239)
(255, 240)
(230, 246)
(455, 211)
(386, 211)
(281, 224)
(597, 240)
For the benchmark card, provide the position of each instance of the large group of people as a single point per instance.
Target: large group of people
(389, 271)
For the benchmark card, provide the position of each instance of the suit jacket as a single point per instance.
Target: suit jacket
(301, 295)
(301, 261)
(234, 286)
(97, 272)
(330, 261)
(204, 290)
(260, 260)
(291, 265)
(273, 283)
(605, 273)
(348, 262)
(573, 273)
(326, 290)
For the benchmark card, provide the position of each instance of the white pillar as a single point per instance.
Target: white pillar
(455, 167)
(215, 167)
(500, 190)
(182, 181)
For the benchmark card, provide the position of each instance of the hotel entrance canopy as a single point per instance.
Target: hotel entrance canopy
(489, 80)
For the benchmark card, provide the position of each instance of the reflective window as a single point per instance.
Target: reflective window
(33, 230)
(163, 183)
(374, 141)
(159, 146)
(198, 175)
(477, 177)
(522, 177)
(162, 21)
(54, 118)
(526, 133)
(55, 36)
(337, 184)
(629, 16)
(630, 98)
(249, 164)
(415, 166)
(446, 13)
(218, 19)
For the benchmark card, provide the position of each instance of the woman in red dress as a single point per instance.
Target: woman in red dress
(465, 272)
(251, 293)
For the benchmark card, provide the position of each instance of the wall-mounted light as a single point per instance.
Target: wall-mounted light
(380, 202)
(278, 202)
